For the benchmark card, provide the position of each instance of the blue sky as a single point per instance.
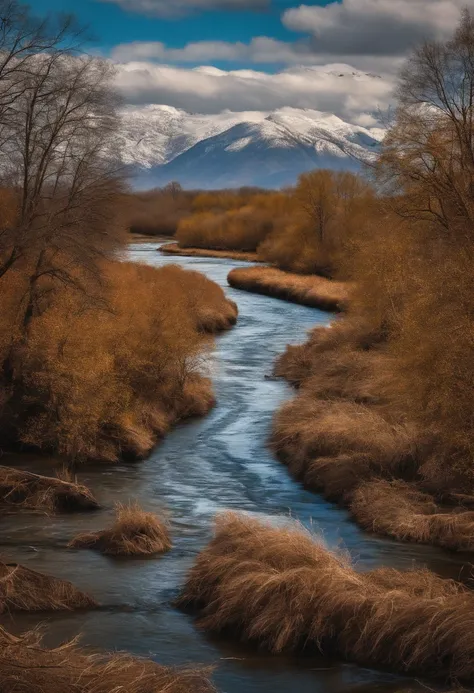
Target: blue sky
(112, 25)
(337, 56)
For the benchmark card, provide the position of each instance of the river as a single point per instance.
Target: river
(216, 463)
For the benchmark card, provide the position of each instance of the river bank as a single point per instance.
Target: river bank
(307, 290)
(202, 467)
(176, 249)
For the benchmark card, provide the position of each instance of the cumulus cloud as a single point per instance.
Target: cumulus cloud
(178, 8)
(374, 27)
(335, 88)
(261, 50)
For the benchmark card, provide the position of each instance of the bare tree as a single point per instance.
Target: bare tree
(26, 42)
(429, 152)
(60, 159)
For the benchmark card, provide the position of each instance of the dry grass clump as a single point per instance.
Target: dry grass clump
(176, 249)
(48, 494)
(307, 429)
(346, 338)
(308, 290)
(134, 533)
(29, 668)
(283, 589)
(22, 589)
(399, 510)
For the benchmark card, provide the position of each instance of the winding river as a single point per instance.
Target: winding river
(201, 468)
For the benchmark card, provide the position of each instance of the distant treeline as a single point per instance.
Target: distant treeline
(303, 229)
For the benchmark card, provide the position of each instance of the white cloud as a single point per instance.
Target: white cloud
(375, 27)
(178, 8)
(335, 88)
(261, 50)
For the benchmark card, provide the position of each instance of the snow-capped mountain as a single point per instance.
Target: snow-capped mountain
(161, 144)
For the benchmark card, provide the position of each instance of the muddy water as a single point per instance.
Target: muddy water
(202, 467)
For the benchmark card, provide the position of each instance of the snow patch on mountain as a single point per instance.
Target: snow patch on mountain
(248, 148)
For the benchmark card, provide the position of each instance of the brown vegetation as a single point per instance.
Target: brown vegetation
(309, 290)
(134, 533)
(383, 417)
(399, 510)
(302, 230)
(175, 249)
(98, 358)
(107, 380)
(157, 212)
(22, 589)
(48, 494)
(27, 667)
(283, 589)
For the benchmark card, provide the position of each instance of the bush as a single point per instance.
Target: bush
(104, 379)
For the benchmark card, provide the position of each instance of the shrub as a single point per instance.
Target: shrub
(104, 379)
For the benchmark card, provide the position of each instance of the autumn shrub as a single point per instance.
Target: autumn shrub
(156, 212)
(105, 378)
(294, 248)
(29, 667)
(284, 590)
(305, 230)
(133, 533)
(242, 229)
(22, 589)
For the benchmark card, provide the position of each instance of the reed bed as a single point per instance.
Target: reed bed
(134, 533)
(307, 290)
(22, 589)
(23, 489)
(27, 667)
(284, 590)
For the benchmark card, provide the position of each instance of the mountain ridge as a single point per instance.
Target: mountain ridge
(269, 149)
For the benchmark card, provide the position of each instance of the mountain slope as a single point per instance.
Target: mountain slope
(236, 149)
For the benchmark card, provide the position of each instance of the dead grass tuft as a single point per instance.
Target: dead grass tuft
(397, 509)
(27, 667)
(307, 429)
(22, 589)
(282, 588)
(134, 533)
(48, 494)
